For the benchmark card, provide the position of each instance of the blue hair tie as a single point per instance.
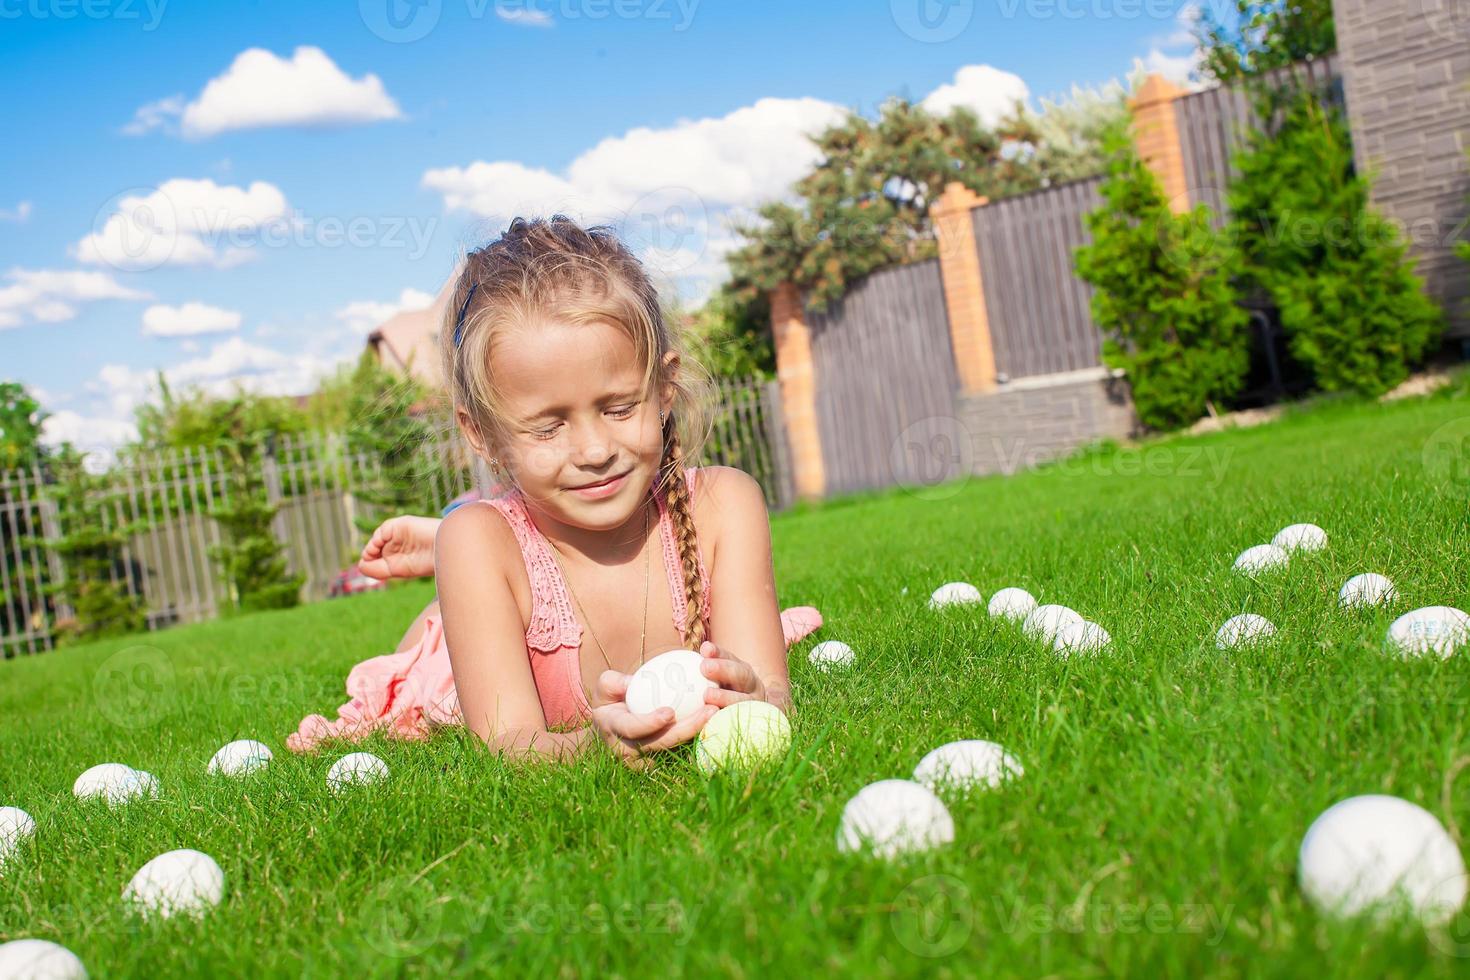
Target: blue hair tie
(459, 323)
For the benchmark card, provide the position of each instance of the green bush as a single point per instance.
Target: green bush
(90, 550)
(1163, 295)
(1353, 310)
(250, 558)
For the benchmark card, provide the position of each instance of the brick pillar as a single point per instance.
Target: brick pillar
(964, 288)
(1156, 136)
(798, 381)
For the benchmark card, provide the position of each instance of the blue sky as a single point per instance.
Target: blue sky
(242, 190)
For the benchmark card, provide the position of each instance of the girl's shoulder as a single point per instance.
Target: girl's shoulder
(487, 527)
(726, 500)
(718, 482)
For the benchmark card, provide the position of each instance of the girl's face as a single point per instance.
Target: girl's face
(579, 417)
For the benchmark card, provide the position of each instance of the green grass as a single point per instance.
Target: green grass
(1155, 832)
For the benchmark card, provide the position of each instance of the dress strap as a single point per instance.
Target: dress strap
(553, 624)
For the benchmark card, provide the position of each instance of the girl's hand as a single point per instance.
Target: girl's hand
(634, 737)
(737, 679)
(401, 547)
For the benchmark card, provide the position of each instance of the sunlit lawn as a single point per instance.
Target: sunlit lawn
(1155, 832)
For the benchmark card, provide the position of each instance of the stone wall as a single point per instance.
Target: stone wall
(1031, 421)
(1406, 66)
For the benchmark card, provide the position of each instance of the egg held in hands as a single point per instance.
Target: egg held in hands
(670, 680)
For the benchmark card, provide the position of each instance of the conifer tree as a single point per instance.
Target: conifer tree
(1163, 296)
(1353, 309)
(94, 582)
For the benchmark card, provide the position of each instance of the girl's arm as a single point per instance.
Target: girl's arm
(745, 620)
(401, 547)
(492, 675)
(486, 639)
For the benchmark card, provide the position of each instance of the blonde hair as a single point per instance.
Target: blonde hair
(553, 269)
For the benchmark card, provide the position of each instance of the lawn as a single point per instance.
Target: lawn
(1155, 832)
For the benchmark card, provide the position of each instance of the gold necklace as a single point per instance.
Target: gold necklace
(647, 554)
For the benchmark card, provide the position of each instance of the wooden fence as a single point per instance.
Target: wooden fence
(884, 364)
(1040, 320)
(319, 485)
(1212, 122)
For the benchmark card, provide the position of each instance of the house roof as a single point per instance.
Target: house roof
(409, 341)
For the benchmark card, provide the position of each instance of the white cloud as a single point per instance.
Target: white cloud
(363, 316)
(667, 191)
(188, 320)
(262, 89)
(228, 363)
(1177, 55)
(747, 156)
(1181, 69)
(52, 295)
(988, 91)
(184, 222)
(21, 213)
(162, 114)
(525, 17)
(97, 437)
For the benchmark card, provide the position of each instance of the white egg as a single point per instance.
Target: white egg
(1242, 630)
(1384, 855)
(831, 653)
(147, 783)
(239, 758)
(1045, 622)
(356, 769)
(669, 680)
(1083, 637)
(1261, 559)
(1300, 537)
(955, 594)
(894, 817)
(1012, 604)
(1433, 629)
(15, 826)
(111, 781)
(969, 763)
(185, 880)
(743, 736)
(37, 959)
(1368, 589)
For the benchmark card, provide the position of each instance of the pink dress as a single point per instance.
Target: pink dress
(409, 694)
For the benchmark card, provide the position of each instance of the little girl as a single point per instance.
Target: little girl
(566, 379)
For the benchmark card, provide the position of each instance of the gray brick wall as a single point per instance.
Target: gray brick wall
(1011, 430)
(1406, 65)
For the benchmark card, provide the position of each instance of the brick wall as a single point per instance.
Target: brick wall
(1029, 422)
(1406, 65)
